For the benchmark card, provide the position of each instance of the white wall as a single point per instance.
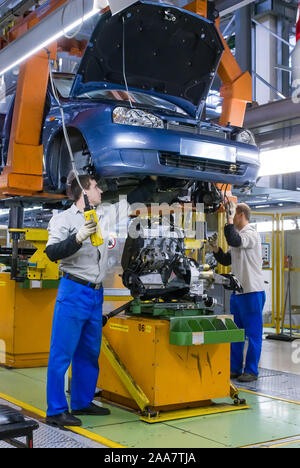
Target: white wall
(266, 59)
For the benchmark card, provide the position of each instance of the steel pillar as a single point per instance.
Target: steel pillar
(243, 38)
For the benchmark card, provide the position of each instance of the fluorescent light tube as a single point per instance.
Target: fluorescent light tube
(58, 23)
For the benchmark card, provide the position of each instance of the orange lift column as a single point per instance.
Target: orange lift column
(23, 174)
(236, 89)
(198, 6)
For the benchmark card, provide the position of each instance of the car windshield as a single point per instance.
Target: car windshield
(63, 84)
(135, 97)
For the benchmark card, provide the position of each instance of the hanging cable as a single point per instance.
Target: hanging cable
(79, 27)
(89, 212)
(65, 132)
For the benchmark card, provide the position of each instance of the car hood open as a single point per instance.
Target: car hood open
(168, 52)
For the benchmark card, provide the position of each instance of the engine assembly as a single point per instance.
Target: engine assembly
(156, 266)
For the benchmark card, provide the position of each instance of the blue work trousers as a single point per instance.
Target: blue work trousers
(76, 338)
(247, 310)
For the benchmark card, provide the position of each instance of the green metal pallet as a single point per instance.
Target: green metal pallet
(165, 309)
(190, 324)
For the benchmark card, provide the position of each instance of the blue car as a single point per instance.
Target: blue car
(136, 108)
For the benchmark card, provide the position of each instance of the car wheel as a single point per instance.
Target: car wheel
(59, 163)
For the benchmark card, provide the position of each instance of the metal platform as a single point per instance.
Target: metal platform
(274, 383)
(49, 437)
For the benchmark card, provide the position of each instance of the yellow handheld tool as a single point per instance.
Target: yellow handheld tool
(90, 213)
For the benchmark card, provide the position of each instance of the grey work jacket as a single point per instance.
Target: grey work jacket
(89, 262)
(246, 260)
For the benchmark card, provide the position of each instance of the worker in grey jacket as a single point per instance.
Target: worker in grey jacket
(77, 322)
(245, 257)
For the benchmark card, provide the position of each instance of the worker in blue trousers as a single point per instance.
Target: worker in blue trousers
(245, 257)
(77, 322)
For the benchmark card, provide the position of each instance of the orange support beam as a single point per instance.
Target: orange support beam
(28, 20)
(198, 6)
(236, 90)
(73, 47)
(23, 173)
(24, 168)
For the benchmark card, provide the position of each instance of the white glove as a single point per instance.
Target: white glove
(230, 210)
(89, 228)
(213, 241)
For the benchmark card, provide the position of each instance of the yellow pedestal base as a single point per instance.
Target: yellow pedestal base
(192, 412)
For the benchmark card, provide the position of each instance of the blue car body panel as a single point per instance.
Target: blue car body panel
(124, 150)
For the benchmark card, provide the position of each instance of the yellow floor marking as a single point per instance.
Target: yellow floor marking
(78, 430)
(275, 443)
(269, 396)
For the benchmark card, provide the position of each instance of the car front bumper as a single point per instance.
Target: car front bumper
(140, 151)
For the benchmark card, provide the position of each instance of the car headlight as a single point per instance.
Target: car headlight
(137, 117)
(245, 136)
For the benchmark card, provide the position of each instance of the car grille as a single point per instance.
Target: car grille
(200, 164)
(195, 130)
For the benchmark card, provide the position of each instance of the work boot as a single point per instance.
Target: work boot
(235, 375)
(92, 410)
(247, 377)
(62, 420)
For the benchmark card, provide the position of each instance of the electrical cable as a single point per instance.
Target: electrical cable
(89, 212)
(65, 132)
(80, 26)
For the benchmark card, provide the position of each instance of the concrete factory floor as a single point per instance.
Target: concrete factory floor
(272, 420)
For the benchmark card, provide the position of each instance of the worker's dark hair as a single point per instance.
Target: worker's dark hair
(75, 190)
(244, 208)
